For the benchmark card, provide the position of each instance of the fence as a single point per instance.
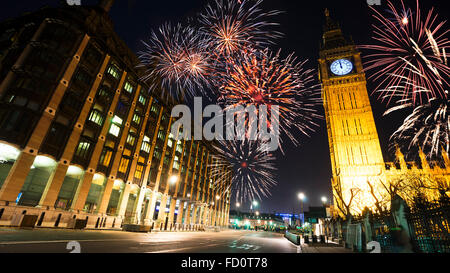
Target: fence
(424, 228)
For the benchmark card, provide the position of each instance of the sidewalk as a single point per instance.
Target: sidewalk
(324, 249)
(330, 247)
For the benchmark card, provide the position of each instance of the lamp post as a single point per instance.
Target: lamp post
(301, 197)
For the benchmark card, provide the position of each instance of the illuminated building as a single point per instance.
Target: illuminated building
(81, 138)
(355, 150)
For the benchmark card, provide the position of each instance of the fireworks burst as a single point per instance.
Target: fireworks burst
(428, 127)
(264, 79)
(407, 41)
(176, 62)
(251, 167)
(235, 25)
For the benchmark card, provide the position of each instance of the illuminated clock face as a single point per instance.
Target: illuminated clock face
(341, 67)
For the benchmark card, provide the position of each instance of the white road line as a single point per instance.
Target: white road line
(61, 241)
(179, 249)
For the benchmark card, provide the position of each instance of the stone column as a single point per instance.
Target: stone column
(85, 183)
(137, 209)
(151, 208)
(55, 182)
(122, 207)
(16, 178)
(106, 196)
(160, 167)
(173, 204)
(162, 208)
(187, 218)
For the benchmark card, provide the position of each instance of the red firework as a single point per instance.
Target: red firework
(409, 48)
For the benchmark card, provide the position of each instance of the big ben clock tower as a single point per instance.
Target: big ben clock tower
(355, 151)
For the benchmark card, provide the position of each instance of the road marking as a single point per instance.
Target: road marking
(60, 241)
(180, 249)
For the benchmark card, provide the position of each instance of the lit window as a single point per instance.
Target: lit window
(142, 99)
(139, 171)
(117, 120)
(96, 117)
(146, 145)
(161, 134)
(128, 87)
(179, 147)
(115, 126)
(170, 143)
(154, 109)
(114, 130)
(105, 158)
(136, 119)
(131, 139)
(113, 71)
(124, 165)
(83, 148)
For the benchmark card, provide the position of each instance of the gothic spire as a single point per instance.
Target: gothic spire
(106, 4)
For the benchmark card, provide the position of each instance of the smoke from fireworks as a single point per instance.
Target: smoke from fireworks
(264, 78)
(407, 41)
(252, 168)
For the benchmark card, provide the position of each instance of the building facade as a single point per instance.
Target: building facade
(81, 137)
(355, 151)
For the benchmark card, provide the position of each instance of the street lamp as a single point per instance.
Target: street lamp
(301, 196)
(324, 200)
(238, 205)
(173, 179)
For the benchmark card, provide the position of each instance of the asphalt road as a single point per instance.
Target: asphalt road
(14, 240)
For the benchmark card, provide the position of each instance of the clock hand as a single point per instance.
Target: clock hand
(340, 63)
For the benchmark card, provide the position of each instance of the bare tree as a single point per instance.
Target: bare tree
(379, 201)
(343, 206)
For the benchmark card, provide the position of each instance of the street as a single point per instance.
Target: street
(14, 240)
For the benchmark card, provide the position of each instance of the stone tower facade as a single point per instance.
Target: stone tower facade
(355, 150)
(360, 175)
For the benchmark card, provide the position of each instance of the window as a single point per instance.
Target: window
(139, 171)
(176, 163)
(131, 140)
(179, 146)
(136, 119)
(122, 108)
(124, 165)
(96, 117)
(105, 157)
(146, 145)
(128, 87)
(115, 129)
(83, 149)
(161, 135)
(154, 109)
(142, 99)
(113, 71)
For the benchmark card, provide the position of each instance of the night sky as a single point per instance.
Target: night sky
(306, 168)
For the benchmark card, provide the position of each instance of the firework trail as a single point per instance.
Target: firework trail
(428, 127)
(176, 61)
(251, 167)
(404, 41)
(233, 26)
(264, 78)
